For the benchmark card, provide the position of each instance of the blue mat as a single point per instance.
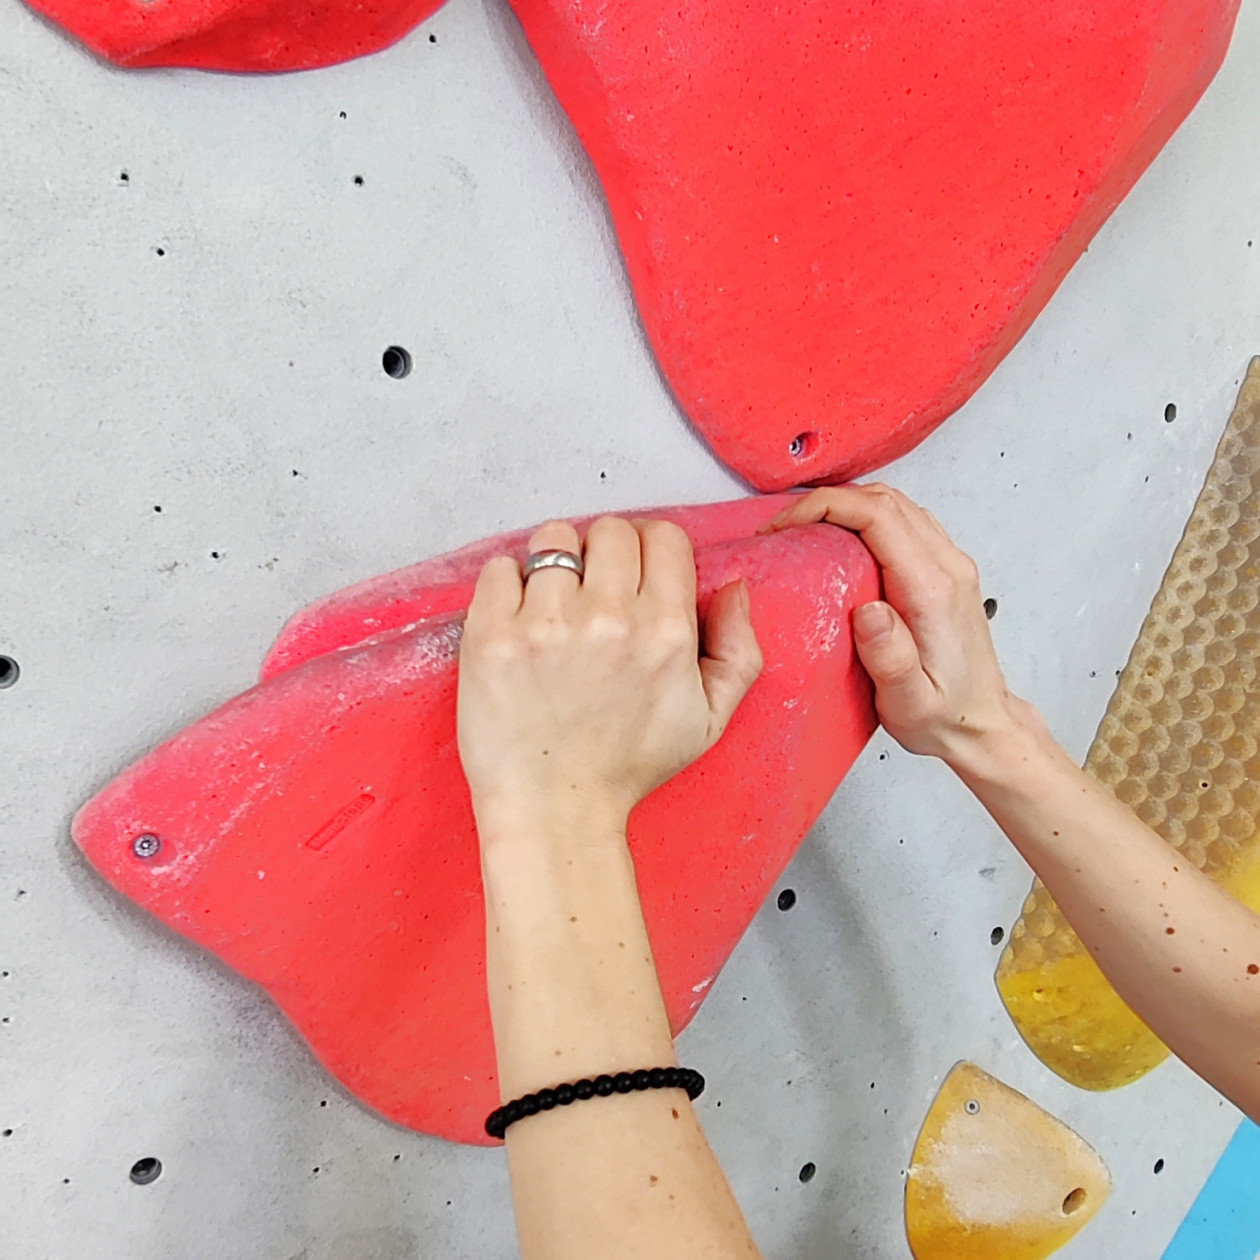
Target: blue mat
(1224, 1223)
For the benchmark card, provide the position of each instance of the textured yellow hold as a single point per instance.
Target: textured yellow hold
(1180, 745)
(994, 1177)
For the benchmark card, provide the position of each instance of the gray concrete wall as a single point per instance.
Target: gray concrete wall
(205, 337)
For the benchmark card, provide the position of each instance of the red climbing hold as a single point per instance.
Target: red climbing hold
(235, 34)
(838, 217)
(316, 834)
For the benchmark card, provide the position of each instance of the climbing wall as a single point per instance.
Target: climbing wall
(265, 337)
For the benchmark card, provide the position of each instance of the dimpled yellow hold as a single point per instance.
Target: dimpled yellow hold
(1180, 744)
(994, 1177)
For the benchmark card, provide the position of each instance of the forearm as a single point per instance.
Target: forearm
(573, 994)
(1182, 952)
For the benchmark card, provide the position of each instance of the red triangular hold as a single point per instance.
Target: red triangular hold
(316, 833)
(838, 217)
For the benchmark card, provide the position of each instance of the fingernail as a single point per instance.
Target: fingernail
(744, 602)
(872, 621)
(769, 526)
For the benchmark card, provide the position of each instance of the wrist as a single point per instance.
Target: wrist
(525, 819)
(1005, 749)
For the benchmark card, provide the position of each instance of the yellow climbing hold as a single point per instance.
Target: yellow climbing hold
(994, 1177)
(1180, 744)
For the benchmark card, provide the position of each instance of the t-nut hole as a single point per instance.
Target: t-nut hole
(146, 1171)
(803, 445)
(397, 362)
(9, 672)
(1074, 1200)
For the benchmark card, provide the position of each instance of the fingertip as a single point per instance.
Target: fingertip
(873, 622)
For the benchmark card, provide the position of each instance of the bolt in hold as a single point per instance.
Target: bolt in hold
(146, 846)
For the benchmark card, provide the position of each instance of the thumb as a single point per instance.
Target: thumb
(732, 657)
(887, 649)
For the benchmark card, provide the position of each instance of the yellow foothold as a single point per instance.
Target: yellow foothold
(994, 1177)
(1178, 744)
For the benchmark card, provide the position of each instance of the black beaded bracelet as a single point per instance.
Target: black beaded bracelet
(595, 1087)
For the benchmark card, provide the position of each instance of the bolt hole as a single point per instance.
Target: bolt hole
(972, 1108)
(803, 445)
(787, 899)
(9, 672)
(1170, 413)
(1074, 1200)
(124, 177)
(1159, 1166)
(807, 1172)
(432, 39)
(358, 181)
(397, 362)
(144, 1172)
(160, 252)
(990, 608)
(997, 936)
(342, 114)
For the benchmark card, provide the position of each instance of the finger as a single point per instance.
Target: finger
(612, 560)
(888, 651)
(805, 509)
(885, 520)
(548, 590)
(732, 656)
(669, 567)
(497, 595)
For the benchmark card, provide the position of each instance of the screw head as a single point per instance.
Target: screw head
(972, 1108)
(146, 845)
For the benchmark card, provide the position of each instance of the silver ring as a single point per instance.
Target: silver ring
(552, 560)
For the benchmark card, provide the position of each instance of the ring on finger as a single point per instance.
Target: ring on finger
(556, 559)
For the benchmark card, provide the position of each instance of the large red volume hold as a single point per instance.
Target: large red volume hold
(838, 217)
(240, 35)
(316, 832)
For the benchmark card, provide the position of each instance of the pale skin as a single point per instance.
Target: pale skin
(579, 697)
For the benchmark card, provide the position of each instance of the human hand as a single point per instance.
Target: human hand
(939, 688)
(582, 695)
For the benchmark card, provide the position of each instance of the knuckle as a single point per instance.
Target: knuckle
(968, 571)
(673, 633)
(494, 644)
(884, 498)
(609, 626)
